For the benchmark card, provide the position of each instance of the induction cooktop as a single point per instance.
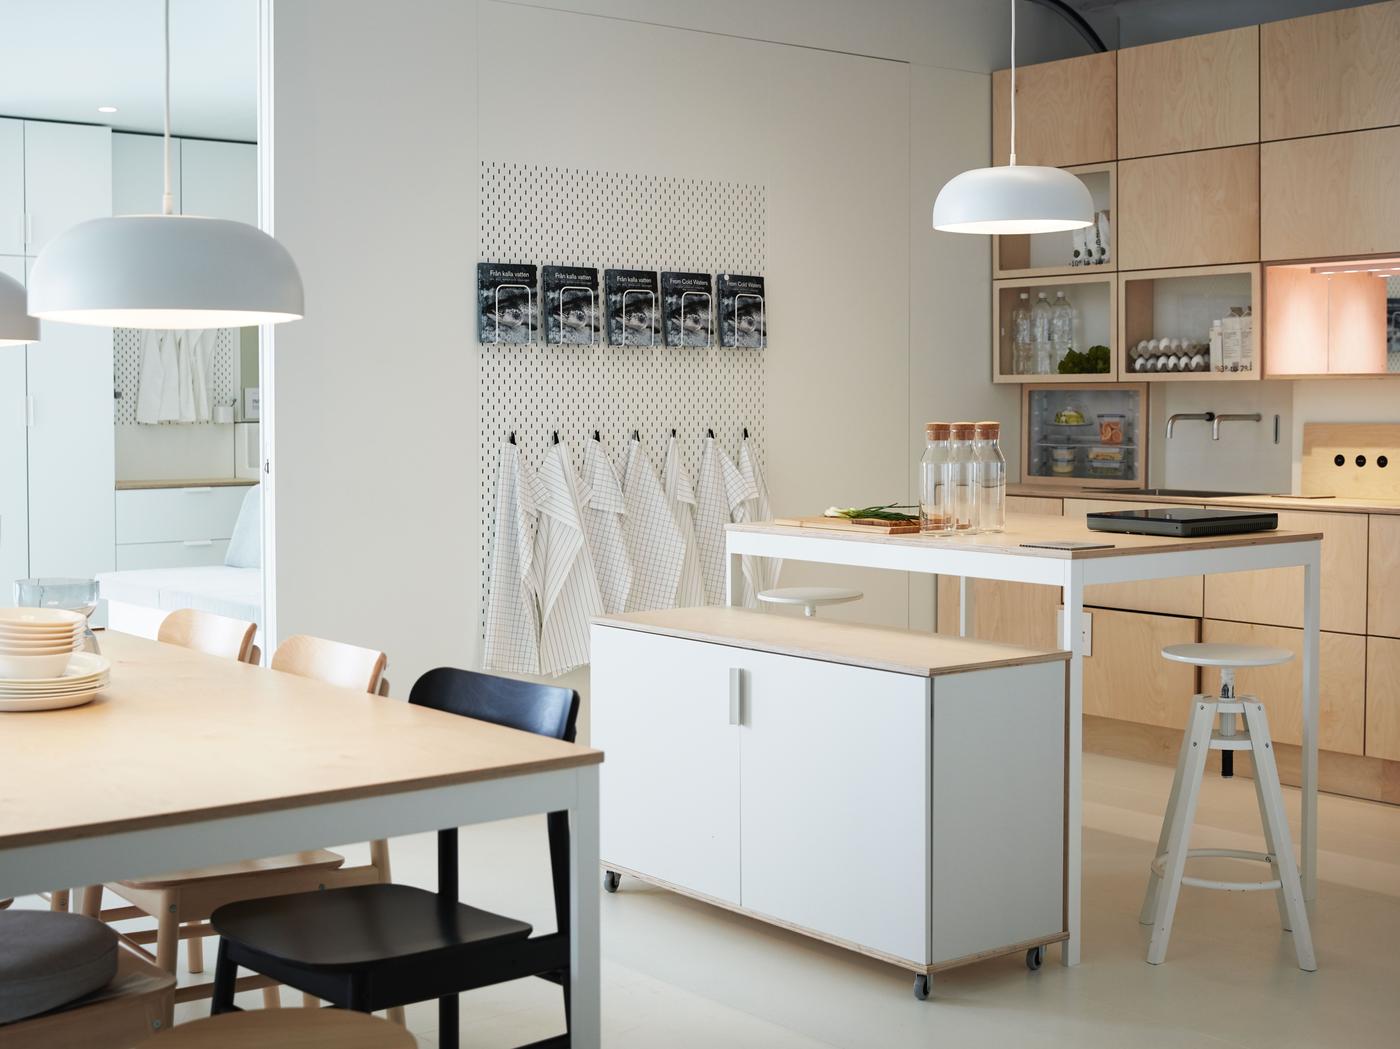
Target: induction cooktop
(1184, 521)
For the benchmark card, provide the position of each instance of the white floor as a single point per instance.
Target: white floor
(680, 974)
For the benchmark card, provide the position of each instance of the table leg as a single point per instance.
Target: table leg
(585, 977)
(1071, 640)
(967, 607)
(1312, 604)
(734, 580)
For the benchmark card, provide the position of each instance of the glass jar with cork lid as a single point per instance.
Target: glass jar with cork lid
(960, 474)
(935, 516)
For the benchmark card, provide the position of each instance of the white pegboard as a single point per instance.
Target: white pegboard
(126, 365)
(622, 220)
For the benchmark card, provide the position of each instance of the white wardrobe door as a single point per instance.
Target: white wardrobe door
(220, 180)
(14, 455)
(67, 178)
(11, 187)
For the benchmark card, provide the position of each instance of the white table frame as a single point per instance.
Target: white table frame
(1072, 575)
(120, 855)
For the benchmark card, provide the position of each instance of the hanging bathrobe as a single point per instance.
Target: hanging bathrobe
(512, 606)
(760, 573)
(603, 514)
(720, 494)
(654, 541)
(151, 382)
(184, 359)
(201, 350)
(680, 496)
(569, 597)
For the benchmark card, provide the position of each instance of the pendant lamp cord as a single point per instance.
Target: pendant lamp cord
(167, 203)
(1013, 85)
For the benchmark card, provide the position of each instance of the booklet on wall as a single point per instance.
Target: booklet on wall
(507, 302)
(687, 309)
(571, 307)
(634, 316)
(743, 321)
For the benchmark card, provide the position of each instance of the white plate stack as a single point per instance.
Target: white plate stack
(41, 667)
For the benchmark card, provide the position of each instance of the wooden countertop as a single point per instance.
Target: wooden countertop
(190, 482)
(238, 740)
(1261, 502)
(1023, 528)
(878, 648)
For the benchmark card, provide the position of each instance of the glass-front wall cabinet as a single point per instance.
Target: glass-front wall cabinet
(1333, 318)
(1086, 434)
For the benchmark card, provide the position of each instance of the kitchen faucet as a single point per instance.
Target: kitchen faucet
(1253, 417)
(1208, 417)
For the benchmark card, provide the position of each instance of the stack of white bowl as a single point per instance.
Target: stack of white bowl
(41, 665)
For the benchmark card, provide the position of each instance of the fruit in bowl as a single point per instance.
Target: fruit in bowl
(1070, 417)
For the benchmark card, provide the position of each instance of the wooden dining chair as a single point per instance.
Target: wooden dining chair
(379, 946)
(209, 633)
(181, 902)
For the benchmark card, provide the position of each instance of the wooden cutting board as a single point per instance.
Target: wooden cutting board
(868, 525)
(1324, 442)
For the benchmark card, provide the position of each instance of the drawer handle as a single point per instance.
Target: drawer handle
(736, 696)
(197, 491)
(199, 542)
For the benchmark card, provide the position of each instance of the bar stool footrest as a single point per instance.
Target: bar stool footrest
(1159, 864)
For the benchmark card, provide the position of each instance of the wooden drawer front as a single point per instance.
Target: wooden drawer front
(164, 515)
(1176, 597)
(1275, 596)
(1189, 209)
(1331, 72)
(1127, 678)
(1383, 577)
(1034, 504)
(1066, 112)
(1196, 93)
(187, 553)
(1383, 698)
(1333, 195)
(1012, 613)
(1342, 672)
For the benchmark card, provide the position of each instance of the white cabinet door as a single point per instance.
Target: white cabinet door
(11, 187)
(836, 801)
(220, 180)
(14, 456)
(138, 173)
(669, 786)
(67, 178)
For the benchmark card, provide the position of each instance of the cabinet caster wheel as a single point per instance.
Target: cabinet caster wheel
(923, 984)
(611, 880)
(1035, 958)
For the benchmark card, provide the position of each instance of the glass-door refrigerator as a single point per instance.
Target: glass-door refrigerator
(1090, 435)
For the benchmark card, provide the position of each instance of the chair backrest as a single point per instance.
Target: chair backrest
(208, 633)
(333, 662)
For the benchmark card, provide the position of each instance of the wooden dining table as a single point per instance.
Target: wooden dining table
(187, 760)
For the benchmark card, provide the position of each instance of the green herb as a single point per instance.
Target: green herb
(1093, 362)
(888, 512)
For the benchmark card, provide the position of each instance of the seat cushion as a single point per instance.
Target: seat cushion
(353, 927)
(48, 959)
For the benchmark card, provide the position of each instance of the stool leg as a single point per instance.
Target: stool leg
(1266, 769)
(1149, 903)
(1269, 844)
(1179, 836)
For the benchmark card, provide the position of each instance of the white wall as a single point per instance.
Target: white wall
(376, 463)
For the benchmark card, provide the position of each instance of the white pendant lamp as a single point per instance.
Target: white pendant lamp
(16, 325)
(1013, 199)
(166, 270)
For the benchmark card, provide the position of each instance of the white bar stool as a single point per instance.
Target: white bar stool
(1168, 867)
(809, 597)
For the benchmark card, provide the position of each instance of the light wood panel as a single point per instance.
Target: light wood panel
(1328, 197)
(1189, 209)
(1198, 92)
(1342, 671)
(1126, 676)
(1383, 577)
(310, 743)
(1323, 442)
(1066, 112)
(1182, 596)
(1324, 323)
(1338, 71)
(1275, 596)
(284, 1029)
(1383, 698)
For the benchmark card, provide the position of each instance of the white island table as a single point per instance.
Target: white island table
(1001, 556)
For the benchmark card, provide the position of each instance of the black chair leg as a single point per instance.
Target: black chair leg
(448, 1022)
(225, 980)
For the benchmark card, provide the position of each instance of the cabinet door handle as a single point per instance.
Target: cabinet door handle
(29, 411)
(199, 542)
(197, 491)
(736, 696)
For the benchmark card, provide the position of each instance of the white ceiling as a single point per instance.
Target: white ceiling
(61, 59)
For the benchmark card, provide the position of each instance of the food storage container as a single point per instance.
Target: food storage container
(1112, 426)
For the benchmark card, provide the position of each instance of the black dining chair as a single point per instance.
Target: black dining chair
(370, 947)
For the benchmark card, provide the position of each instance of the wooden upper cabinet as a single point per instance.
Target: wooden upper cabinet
(1189, 209)
(1327, 196)
(1338, 71)
(1066, 112)
(1197, 93)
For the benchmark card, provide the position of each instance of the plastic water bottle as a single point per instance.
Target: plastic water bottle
(1061, 327)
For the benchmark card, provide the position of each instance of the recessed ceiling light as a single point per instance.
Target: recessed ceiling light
(106, 109)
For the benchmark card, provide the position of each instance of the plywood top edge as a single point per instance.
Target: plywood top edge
(1328, 504)
(187, 482)
(889, 649)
